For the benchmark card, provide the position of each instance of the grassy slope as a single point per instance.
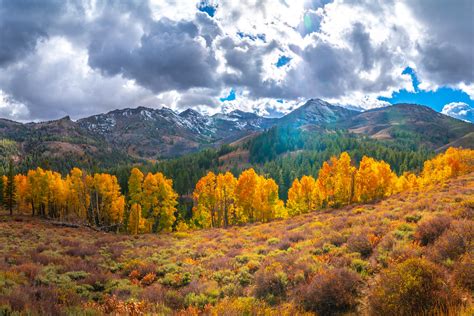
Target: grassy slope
(37, 256)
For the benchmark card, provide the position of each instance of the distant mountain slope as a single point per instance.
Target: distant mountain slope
(152, 133)
(416, 122)
(317, 112)
(127, 135)
(60, 143)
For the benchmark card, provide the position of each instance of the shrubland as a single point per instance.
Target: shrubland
(408, 254)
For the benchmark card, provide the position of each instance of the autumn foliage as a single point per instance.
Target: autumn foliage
(220, 200)
(339, 183)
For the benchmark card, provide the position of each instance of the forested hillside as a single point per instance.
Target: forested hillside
(118, 139)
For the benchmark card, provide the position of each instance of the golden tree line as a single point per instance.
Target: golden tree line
(220, 200)
(97, 199)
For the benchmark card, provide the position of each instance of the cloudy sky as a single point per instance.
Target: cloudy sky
(80, 58)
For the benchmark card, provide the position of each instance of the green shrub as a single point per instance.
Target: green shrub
(413, 287)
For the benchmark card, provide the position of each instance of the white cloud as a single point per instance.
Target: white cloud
(81, 61)
(459, 110)
(56, 81)
(12, 109)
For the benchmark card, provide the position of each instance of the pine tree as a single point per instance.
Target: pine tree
(10, 187)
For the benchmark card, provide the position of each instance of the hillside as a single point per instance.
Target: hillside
(60, 144)
(410, 122)
(152, 133)
(123, 137)
(346, 260)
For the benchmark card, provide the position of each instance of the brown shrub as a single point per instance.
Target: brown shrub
(271, 282)
(46, 259)
(360, 243)
(154, 293)
(30, 270)
(332, 292)
(97, 281)
(413, 287)
(174, 299)
(42, 300)
(464, 273)
(284, 244)
(67, 242)
(454, 242)
(428, 231)
(336, 238)
(81, 251)
(296, 236)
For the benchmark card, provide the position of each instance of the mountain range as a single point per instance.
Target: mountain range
(148, 134)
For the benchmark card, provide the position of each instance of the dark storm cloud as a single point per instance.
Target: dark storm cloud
(246, 60)
(447, 55)
(200, 97)
(113, 43)
(169, 55)
(23, 23)
(328, 71)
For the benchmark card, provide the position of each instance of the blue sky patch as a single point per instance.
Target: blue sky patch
(261, 37)
(282, 61)
(414, 79)
(230, 97)
(435, 99)
(205, 6)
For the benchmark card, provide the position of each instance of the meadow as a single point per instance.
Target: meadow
(409, 254)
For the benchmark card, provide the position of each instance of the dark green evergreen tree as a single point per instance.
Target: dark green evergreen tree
(10, 187)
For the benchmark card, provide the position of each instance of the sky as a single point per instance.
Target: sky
(80, 58)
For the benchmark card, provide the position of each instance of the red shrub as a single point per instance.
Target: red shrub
(148, 279)
(30, 270)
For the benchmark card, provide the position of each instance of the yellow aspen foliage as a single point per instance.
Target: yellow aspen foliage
(22, 193)
(136, 223)
(374, 180)
(135, 187)
(303, 196)
(452, 163)
(78, 198)
(267, 201)
(107, 202)
(159, 201)
(245, 192)
(225, 194)
(4, 186)
(205, 200)
(336, 181)
(38, 185)
(406, 182)
(344, 180)
(214, 198)
(257, 197)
